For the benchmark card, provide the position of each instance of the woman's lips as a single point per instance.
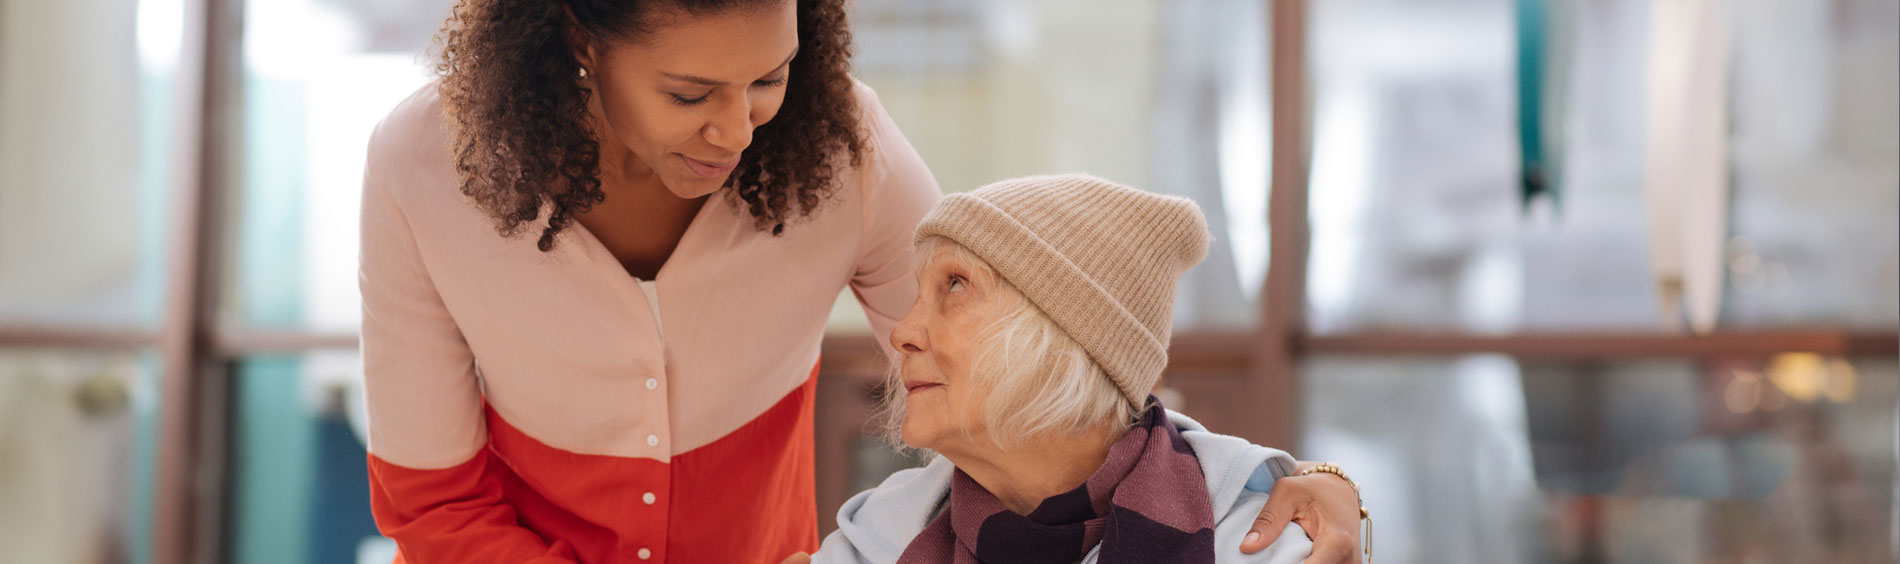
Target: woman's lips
(709, 169)
(914, 387)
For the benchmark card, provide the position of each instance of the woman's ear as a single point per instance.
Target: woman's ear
(579, 42)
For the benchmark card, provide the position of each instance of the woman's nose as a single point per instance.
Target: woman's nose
(909, 336)
(731, 127)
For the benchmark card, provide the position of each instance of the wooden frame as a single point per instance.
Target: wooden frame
(1272, 382)
(53, 337)
(198, 347)
(189, 491)
(1600, 345)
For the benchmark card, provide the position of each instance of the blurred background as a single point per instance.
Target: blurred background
(1554, 280)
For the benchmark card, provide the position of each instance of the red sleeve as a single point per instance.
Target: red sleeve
(453, 514)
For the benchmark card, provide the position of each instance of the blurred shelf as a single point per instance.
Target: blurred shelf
(34, 336)
(250, 342)
(229, 344)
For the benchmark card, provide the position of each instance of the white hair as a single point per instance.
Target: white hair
(1041, 381)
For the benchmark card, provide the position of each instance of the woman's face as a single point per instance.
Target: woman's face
(938, 341)
(684, 97)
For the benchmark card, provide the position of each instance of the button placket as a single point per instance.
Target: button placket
(649, 511)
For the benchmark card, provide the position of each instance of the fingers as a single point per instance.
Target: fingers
(1332, 517)
(1334, 541)
(1333, 547)
(1271, 522)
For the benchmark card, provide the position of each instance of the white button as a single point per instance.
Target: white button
(653, 384)
(649, 498)
(645, 554)
(653, 440)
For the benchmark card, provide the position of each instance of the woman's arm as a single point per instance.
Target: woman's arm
(897, 190)
(430, 488)
(1324, 505)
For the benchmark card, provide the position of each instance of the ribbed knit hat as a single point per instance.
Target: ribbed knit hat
(1100, 258)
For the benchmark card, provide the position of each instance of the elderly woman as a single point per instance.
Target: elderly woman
(1040, 329)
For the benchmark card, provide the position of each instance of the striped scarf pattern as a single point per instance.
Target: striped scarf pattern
(1147, 503)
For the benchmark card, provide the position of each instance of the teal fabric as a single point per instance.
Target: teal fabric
(1543, 69)
(1533, 180)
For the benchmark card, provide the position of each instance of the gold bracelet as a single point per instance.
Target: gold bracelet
(1333, 469)
(1364, 515)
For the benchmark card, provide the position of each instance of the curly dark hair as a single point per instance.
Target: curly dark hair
(508, 79)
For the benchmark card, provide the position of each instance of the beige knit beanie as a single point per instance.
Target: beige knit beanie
(1100, 258)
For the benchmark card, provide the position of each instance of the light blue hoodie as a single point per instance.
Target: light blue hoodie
(875, 525)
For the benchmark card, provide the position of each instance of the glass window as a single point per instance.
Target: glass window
(1169, 97)
(1815, 134)
(1789, 458)
(87, 148)
(318, 76)
(86, 96)
(1417, 218)
(984, 91)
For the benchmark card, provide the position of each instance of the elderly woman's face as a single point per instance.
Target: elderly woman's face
(939, 340)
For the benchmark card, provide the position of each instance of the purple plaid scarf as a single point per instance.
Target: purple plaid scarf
(1147, 503)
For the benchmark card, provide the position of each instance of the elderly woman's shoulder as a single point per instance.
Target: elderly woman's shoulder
(1239, 474)
(876, 524)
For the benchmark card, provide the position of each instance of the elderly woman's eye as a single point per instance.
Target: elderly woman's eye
(956, 283)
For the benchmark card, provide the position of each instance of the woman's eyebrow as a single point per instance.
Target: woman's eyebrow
(703, 81)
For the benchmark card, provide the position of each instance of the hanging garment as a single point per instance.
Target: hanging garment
(1686, 168)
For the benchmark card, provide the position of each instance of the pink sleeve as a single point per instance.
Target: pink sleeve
(431, 489)
(425, 406)
(897, 191)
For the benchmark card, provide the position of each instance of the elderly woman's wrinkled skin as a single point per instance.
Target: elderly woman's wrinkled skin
(938, 341)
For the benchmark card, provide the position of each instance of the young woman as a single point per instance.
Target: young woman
(597, 259)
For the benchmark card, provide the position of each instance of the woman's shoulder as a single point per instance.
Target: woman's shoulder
(869, 106)
(412, 146)
(886, 150)
(889, 182)
(875, 129)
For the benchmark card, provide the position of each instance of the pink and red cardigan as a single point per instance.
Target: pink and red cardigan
(548, 407)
